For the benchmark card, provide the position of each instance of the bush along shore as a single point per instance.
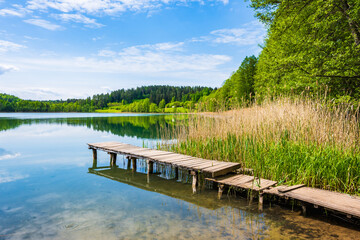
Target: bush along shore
(286, 140)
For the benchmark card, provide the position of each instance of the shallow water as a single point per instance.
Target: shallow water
(48, 188)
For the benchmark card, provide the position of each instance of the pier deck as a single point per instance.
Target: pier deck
(208, 167)
(339, 202)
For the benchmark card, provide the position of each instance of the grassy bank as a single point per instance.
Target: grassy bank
(285, 140)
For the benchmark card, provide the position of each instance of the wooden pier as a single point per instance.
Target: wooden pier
(209, 167)
(223, 174)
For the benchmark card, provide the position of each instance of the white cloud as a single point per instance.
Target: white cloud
(251, 34)
(106, 6)
(96, 38)
(79, 18)
(155, 58)
(17, 11)
(106, 53)
(7, 68)
(28, 92)
(11, 12)
(9, 156)
(44, 24)
(6, 46)
(10, 177)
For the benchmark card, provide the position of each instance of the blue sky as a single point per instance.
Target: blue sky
(59, 49)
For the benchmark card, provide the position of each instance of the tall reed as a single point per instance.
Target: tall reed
(291, 141)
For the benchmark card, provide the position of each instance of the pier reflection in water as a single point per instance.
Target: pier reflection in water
(211, 218)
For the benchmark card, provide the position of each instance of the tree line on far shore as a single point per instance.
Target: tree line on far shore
(140, 99)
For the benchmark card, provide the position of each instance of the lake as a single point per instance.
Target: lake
(49, 191)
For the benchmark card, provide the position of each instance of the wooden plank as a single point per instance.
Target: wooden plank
(223, 164)
(285, 189)
(212, 165)
(218, 171)
(331, 200)
(172, 157)
(102, 144)
(198, 166)
(179, 161)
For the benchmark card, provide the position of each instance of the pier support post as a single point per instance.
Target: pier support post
(128, 163)
(303, 208)
(251, 193)
(176, 173)
(194, 181)
(150, 167)
(94, 154)
(261, 200)
(94, 158)
(221, 189)
(133, 160)
(113, 159)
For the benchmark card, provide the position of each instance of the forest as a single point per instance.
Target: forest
(140, 99)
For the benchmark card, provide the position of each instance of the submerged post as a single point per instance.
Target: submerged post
(194, 181)
(133, 160)
(177, 173)
(113, 159)
(150, 167)
(94, 154)
(94, 158)
(303, 208)
(261, 200)
(221, 189)
(128, 163)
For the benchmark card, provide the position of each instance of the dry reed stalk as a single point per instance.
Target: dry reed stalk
(301, 120)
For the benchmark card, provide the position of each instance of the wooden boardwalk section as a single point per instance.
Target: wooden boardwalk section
(222, 174)
(208, 167)
(338, 202)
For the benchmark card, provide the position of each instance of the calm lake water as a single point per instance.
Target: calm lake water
(47, 190)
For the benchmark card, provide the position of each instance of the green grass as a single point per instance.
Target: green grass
(287, 162)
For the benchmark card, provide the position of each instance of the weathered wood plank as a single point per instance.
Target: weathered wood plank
(285, 189)
(331, 200)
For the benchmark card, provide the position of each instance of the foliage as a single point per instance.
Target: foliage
(141, 99)
(237, 90)
(312, 45)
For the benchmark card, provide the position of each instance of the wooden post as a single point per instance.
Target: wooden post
(194, 181)
(113, 159)
(303, 208)
(221, 189)
(150, 166)
(128, 163)
(251, 196)
(94, 158)
(94, 154)
(261, 200)
(176, 173)
(133, 160)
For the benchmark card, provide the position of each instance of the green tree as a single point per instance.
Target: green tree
(162, 104)
(311, 44)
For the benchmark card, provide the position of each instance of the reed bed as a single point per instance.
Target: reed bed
(290, 141)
